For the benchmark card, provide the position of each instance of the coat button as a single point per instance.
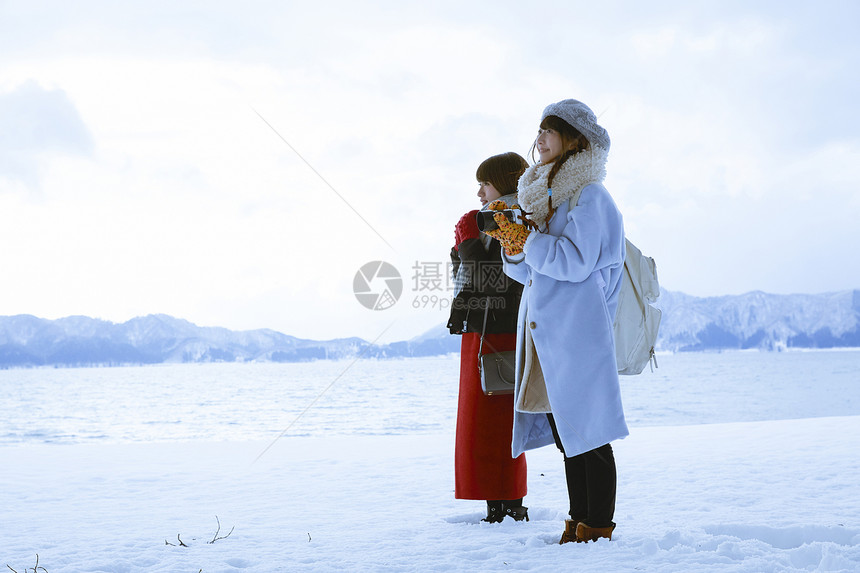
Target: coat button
(532, 325)
(530, 282)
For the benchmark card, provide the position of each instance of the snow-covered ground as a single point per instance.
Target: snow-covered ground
(757, 496)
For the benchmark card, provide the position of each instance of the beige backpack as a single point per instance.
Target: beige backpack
(636, 320)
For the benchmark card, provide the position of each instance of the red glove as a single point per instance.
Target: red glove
(467, 228)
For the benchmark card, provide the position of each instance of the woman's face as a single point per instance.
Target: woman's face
(487, 192)
(549, 145)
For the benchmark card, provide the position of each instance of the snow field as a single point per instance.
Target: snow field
(749, 496)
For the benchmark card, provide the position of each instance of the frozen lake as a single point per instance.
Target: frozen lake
(230, 402)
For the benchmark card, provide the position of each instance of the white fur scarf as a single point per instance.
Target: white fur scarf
(584, 167)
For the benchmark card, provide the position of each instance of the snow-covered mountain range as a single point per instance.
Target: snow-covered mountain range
(752, 320)
(759, 320)
(26, 340)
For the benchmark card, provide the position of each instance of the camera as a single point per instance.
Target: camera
(487, 223)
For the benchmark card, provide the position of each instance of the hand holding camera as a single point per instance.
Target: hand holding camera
(504, 225)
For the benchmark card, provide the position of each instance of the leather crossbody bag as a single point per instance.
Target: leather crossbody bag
(497, 368)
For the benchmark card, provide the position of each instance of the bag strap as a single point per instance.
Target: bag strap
(483, 330)
(574, 199)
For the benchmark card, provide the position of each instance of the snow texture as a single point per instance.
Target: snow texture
(752, 496)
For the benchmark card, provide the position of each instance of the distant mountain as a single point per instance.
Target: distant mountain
(752, 320)
(759, 320)
(82, 341)
(78, 340)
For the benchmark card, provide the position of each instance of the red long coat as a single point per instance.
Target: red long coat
(483, 466)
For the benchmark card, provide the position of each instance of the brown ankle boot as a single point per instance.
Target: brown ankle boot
(569, 531)
(587, 533)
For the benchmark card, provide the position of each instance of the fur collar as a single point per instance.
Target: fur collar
(508, 199)
(583, 168)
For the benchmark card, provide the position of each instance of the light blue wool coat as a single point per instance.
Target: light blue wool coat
(571, 275)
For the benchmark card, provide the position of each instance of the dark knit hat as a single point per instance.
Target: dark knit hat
(581, 117)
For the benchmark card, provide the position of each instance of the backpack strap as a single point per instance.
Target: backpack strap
(574, 199)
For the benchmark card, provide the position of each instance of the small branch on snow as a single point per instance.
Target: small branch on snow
(217, 531)
(36, 567)
(181, 543)
(215, 538)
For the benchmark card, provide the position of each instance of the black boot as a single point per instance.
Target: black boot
(515, 509)
(495, 511)
(519, 513)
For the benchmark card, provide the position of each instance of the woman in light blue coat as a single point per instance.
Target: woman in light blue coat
(569, 253)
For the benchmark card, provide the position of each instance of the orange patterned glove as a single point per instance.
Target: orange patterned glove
(511, 235)
(496, 205)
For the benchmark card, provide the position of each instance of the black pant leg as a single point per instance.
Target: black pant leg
(601, 478)
(575, 473)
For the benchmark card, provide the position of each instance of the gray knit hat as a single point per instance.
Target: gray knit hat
(581, 117)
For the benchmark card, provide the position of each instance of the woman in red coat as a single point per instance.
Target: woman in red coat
(483, 466)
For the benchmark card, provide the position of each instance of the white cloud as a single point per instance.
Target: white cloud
(35, 124)
(182, 200)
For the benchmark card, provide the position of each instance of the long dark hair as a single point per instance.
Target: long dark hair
(502, 171)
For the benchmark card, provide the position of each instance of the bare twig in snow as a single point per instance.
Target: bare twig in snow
(36, 567)
(215, 538)
(217, 531)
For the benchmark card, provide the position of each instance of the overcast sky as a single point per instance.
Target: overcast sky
(235, 163)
